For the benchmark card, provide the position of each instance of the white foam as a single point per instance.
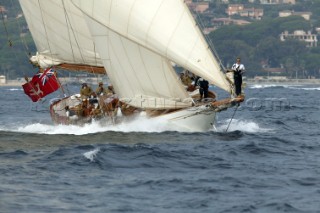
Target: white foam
(241, 125)
(61, 129)
(295, 87)
(261, 86)
(14, 89)
(91, 154)
(141, 124)
(308, 88)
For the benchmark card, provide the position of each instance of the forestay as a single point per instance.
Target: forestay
(162, 26)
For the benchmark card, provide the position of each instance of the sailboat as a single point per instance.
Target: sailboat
(137, 43)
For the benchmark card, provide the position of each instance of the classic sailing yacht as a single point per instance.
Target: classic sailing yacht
(136, 41)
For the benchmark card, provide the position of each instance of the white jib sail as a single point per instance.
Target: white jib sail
(60, 33)
(141, 77)
(164, 26)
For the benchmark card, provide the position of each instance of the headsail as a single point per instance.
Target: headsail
(142, 78)
(61, 35)
(162, 26)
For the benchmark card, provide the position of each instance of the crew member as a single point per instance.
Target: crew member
(85, 91)
(238, 69)
(204, 87)
(111, 90)
(185, 79)
(101, 90)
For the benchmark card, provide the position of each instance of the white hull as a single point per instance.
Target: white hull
(192, 119)
(195, 119)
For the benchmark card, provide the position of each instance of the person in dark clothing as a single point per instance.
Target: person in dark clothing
(204, 87)
(238, 69)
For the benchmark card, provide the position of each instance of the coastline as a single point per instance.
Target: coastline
(21, 81)
(282, 82)
(11, 84)
(16, 83)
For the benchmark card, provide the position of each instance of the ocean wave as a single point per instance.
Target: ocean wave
(294, 87)
(13, 154)
(91, 155)
(279, 207)
(241, 125)
(263, 86)
(306, 88)
(260, 149)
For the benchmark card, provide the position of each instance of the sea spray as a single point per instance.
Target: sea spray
(241, 125)
(91, 154)
(141, 124)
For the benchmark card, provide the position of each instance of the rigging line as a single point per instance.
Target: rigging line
(117, 32)
(69, 35)
(75, 38)
(64, 83)
(201, 25)
(5, 27)
(45, 29)
(22, 38)
(211, 46)
(59, 82)
(46, 32)
(232, 116)
(95, 53)
(68, 23)
(95, 60)
(11, 46)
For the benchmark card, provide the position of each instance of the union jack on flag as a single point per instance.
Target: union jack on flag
(45, 76)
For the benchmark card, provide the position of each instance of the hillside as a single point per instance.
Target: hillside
(16, 43)
(258, 43)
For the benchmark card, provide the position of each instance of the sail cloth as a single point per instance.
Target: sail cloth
(141, 78)
(42, 84)
(60, 33)
(162, 26)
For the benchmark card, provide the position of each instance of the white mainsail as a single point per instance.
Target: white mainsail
(60, 33)
(165, 27)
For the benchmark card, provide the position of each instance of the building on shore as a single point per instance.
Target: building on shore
(286, 13)
(3, 79)
(308, 37)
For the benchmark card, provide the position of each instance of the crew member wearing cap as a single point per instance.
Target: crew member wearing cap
(101, 90)
(85, 91)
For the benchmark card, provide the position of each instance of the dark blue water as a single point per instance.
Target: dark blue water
(268, 161)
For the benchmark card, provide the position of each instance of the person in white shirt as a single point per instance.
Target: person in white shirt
(238, 69)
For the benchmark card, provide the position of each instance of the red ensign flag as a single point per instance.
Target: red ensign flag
(42, 84)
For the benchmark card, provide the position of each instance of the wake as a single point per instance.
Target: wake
(137, 125)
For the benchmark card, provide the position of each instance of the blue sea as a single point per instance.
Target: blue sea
(267, 161)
